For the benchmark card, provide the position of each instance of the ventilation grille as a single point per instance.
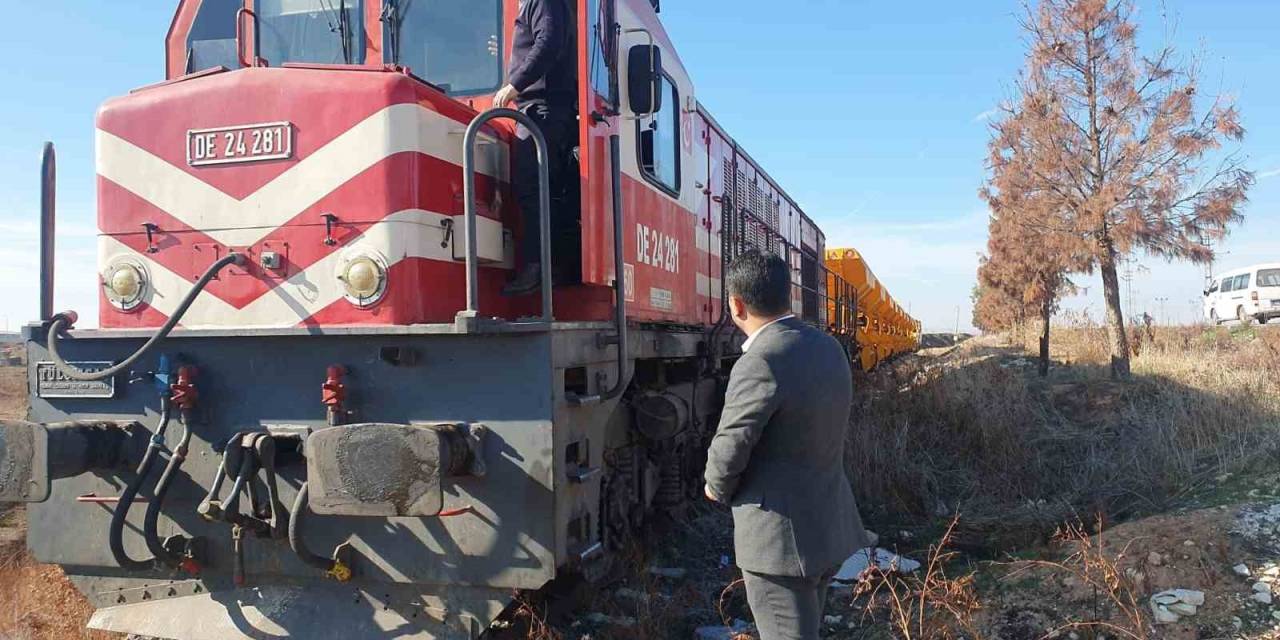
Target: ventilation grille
(762, 229)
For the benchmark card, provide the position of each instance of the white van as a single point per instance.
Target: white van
(1246, 294)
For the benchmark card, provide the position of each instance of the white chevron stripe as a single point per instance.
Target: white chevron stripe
(407, 234)
(396, 129)
(707, 286)
(705, 241)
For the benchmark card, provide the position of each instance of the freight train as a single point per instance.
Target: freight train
(306, 410)
(883, 328)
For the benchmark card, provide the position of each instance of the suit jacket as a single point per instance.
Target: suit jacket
(778, 455)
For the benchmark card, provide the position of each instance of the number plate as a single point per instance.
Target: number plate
(50, 383)
(244, 143)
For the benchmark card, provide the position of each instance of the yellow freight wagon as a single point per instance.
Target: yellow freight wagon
(883, 328)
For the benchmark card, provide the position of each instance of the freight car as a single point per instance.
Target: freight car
(882, 329)
(307, 411)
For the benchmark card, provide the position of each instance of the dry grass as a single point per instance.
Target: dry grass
(1117, 608)
(37, 603)
(927, 605)
(979, 432)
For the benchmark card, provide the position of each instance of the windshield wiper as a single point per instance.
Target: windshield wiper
(342, 27)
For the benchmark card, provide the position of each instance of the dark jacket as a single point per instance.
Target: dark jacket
(543, 64)
(778, 455)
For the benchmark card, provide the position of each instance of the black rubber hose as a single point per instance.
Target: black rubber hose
(295, 533)
(116, 532)
(63, 320)
(150, 523)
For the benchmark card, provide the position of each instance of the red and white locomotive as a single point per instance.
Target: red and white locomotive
(301, 277)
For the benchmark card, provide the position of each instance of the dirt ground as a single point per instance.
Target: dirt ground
(1047, 593)
(36, 601)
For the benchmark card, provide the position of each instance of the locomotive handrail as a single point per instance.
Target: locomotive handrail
(48, 214)
(619, 289)
(253, 62)
(469, 200)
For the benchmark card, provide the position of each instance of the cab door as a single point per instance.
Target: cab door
(598, 121)
(658, 170)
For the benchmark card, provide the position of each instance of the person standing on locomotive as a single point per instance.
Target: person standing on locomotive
(542, 82)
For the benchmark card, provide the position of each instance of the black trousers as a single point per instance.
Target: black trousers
(558, 126)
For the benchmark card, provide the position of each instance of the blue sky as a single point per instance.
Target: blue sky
(871, 114)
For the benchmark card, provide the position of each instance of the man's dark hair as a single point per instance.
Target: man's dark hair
(762, 280)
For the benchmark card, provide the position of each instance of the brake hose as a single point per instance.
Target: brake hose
(116, 533)
(64, 320)
(333, 568)
(149, 525)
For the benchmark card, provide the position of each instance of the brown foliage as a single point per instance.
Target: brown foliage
(1113, 147)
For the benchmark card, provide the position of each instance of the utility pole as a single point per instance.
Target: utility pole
(957, 333)
(1164, 319)
(1130, 272)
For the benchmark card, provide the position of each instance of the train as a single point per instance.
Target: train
(883, 329)
(306, 409)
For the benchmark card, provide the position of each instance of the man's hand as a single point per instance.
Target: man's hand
(505, 96)
(710, 496)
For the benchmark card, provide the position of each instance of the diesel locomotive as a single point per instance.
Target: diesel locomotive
(306, 410)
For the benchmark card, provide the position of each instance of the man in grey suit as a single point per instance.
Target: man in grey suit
(778, 455)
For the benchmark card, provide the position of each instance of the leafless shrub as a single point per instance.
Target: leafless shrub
(1117, 607)
(532, 620)
(930, 606)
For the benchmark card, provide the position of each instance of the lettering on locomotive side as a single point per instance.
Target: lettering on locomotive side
(629, 281)
(662, 299)
(243, 143)
(657, 249)
(52, 383)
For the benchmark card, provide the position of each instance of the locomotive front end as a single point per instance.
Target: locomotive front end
(341, 188)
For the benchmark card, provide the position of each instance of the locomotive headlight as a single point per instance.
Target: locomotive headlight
(125, 284)
(364, 278)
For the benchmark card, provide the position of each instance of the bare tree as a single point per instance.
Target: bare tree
(1116, 146)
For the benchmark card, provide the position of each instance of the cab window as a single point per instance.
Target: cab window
(659, 135)
(1269, 278)
(311, 31)
(212, 41)
(453, 44)
(603, 45)
(1242, 282)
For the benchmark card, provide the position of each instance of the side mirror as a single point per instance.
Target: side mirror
(644, 69)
